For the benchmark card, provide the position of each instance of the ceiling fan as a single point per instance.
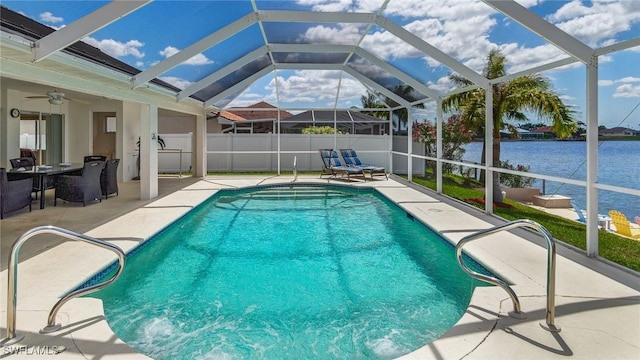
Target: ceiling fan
(56, 98)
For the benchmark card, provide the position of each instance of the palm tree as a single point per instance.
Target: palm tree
(511, 99)
(408, 93)
(370, 101)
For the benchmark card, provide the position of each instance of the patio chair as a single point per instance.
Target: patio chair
(623, 226)
(80, 188)
(27, 162)
(109, 178)
(351, 159)
(15, 194)
(579, 212)
(331, 165)
(95, 158)
(24, 152)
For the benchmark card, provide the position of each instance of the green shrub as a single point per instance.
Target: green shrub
(320, 130)
(515, 181)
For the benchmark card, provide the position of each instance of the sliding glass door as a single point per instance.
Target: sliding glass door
(43, 133)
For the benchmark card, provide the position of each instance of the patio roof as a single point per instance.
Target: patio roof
(253, 39)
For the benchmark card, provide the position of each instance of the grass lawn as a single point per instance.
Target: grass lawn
(618, 249)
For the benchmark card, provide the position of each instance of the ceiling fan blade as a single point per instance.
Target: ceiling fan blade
(37, 97)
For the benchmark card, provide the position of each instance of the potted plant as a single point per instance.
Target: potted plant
(161, 144)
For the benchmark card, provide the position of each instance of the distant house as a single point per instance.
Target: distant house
(258, 118)
(523, 134)
(262, 118)
(346, 121)
(618, 131)
(546, 132)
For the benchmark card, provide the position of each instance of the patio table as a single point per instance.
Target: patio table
(42, 172)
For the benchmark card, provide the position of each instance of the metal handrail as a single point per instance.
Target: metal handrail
(12, 284)
(175, 151)
(551, 269)
(295, 168)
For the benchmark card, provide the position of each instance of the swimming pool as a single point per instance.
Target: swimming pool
(289, 272)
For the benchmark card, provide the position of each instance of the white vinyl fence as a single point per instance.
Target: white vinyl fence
(259, 152)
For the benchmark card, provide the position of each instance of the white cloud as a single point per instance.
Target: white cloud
(445, 10)
(307, 86)
(629, 79)
(597, 22)
(342, 5)
(247, 98)
(311, 87)
(47, 17)
(196, 60)
(344, 34)
(177, 82)
(627, 91)
(116, 48)
(626, 86)
(521, 58)
(442, 85)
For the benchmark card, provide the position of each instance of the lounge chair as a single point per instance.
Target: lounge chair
(331, 165)
(351, 159)
(579, 212)
(623, 226)
(637, 220)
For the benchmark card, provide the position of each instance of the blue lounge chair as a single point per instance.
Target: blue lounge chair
(331, 165)
(351, 159)
(579, 212)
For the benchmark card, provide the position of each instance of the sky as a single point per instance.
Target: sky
(466, 30)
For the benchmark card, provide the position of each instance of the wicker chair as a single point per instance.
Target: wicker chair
(82, 188)
(95, 158)
(15, 194)
(109, 178)
(27, 163)
(24, 162)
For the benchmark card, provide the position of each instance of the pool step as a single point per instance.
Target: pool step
(301, 193)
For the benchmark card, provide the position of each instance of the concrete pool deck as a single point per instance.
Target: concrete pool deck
(597, 305)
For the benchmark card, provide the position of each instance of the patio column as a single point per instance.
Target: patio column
(592, 156)
(439, 145)
(488, 159)
(409, 144)
(390, 134)
(148, 151)
(9, 128)
(199, 148)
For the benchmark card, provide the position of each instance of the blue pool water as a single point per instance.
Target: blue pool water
(289, 273)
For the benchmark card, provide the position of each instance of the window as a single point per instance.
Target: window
(110, 124)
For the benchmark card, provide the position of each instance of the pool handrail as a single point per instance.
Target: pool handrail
(12, 283)
(551, 268)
